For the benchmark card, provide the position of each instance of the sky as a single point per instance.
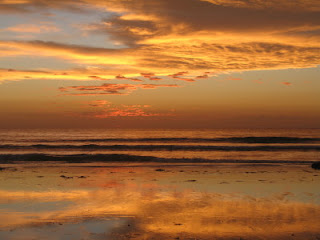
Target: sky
(159, 64)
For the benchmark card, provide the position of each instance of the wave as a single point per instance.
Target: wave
(188, 140)
(82, 158)
(92, 147)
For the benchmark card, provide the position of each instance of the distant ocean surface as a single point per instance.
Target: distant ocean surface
(224, 145)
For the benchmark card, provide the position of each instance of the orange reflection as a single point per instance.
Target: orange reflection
(192, 214)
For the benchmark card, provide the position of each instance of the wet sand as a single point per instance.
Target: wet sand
(159, 201)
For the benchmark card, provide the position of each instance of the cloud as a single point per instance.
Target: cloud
(136, 80)
(77, 53)
(151, 76)
(104, 89)
(122, 110)
(168, 58)
(109, 89)
(152, 21)
(178, 75)
(142, 19)
(77, 74)
(31, 6)
(182, 79)
(287, 83)
(97, 78)
(155, 78)
(121, 77)
(202, 76)
(154, 86)
(99, 103)
(288, 5)
(297, 5)
(109, 110)
(147, 75)
(128, 111)
(185, 40)
(32, 28)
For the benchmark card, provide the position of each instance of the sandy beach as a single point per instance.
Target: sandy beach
(158, 201)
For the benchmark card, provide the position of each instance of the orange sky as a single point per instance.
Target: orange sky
(159, 63)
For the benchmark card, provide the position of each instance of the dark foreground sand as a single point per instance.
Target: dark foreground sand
(158, 201)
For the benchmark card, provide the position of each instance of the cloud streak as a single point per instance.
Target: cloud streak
(110, 89)
(286, 83)
(32, 28)
(128, 111)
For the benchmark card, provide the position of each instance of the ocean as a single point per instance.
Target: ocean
(99, 184)
(219, 145)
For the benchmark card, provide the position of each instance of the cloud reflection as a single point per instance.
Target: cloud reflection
(158, 214)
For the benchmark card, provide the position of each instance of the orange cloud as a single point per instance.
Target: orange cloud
(178, 77)
(220, 57)
(287, 83)
(109, 89)
(98, 78)
(298, 5)
(200, 36)
(182, 79)
(121, 77)
(128, 111)
(136, 80)
(98, 103)
(202, 76)
(155, 78)
(32, 28)
(147, 75)
(154, 86)
(85, 74)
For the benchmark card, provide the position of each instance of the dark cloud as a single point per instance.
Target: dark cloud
(184, 17)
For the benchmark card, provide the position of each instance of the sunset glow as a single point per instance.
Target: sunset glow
(208, 61)
(159, 119)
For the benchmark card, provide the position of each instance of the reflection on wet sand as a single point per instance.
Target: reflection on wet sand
(131, 210)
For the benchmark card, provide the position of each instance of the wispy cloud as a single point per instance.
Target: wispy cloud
(109, 89)
(129, 111)
(99, 103)
(78, 74)
(287, 83)
(32, 28)
(202, 76)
